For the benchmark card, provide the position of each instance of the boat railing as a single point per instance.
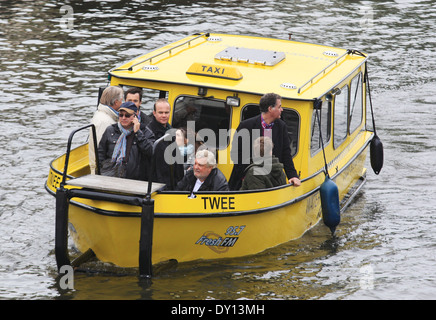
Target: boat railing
(67, 154)
(163, 52)
(323, 71)
(92, 126)
(63, 196)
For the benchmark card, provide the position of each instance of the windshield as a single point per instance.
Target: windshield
(211, 116)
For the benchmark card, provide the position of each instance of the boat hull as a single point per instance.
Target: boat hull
(182, 231)
(116, 238)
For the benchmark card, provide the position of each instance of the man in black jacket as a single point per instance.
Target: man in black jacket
(135, 95)
(124, 146)
(205, 176)
(159, 126)
(268, 123)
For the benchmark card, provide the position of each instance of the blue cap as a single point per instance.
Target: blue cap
(129, 107)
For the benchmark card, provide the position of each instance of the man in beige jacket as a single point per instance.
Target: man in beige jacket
(106, 114)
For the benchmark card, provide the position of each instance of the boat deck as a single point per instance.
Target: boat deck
(114, 184)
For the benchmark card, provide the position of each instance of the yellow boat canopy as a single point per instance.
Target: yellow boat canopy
(295, 70)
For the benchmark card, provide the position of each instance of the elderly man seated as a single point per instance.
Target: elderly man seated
(205, 176)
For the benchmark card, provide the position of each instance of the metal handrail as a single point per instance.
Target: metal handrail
(168, 50)
(323, 70)
(67, 154)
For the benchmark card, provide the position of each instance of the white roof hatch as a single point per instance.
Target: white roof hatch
(252, 56)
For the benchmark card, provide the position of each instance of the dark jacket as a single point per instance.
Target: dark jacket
(260, 176)
(215, 181)
(282, 150)
(141, 147)
(163, 170)
(145, 119)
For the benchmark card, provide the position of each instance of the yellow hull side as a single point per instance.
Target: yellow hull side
(112, 230)
(116, 239)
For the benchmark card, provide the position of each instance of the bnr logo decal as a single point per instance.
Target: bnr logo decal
(220, 244)
(213, 70)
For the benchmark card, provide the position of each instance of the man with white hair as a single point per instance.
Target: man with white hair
(205, 176)
(106, 115)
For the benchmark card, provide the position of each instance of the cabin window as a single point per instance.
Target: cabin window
(290, 117)
(340, 116)
(356, 105)
(250, 111)
(324, 116)
(210, 116)
(292, 120)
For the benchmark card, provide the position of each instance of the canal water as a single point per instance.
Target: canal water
(54, 55)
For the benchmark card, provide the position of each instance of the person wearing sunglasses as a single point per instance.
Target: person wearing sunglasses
(124, 145)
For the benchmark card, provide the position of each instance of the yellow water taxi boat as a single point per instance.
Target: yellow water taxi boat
(134, 223)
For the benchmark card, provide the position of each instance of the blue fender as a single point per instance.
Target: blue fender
(331, 212)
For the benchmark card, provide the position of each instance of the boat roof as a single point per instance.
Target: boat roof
(295, 70)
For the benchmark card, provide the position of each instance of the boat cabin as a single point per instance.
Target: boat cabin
(217, 80)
